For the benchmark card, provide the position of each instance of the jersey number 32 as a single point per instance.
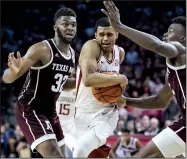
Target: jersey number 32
(59, 79)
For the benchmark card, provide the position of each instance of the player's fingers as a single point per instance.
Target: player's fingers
(110, 8)
(9, 64)
(18, 55)
(113, 6)
(107, 6)
(105, 12)
(10, 55)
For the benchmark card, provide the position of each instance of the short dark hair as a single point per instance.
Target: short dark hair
(103, 22)
(180, 20)
(64, 11)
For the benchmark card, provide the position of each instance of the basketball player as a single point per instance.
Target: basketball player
(50, 64)
(125, 146)
(95, 121)
(171, 141)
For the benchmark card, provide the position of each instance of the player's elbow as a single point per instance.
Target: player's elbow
(6, 80)
(161, 104)
(167, 52)
(86, 82)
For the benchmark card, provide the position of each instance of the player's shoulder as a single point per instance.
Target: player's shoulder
(92, 43)
(181, 48)
(40, 47)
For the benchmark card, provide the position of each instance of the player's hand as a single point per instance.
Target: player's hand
(124, 81)
(121, 102)
(112, 12)
(14, 64)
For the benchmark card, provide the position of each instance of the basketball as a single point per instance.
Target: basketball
(107, 94)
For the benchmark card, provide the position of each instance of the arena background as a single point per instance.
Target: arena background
(25, 23)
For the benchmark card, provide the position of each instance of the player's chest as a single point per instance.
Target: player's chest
(104, 65)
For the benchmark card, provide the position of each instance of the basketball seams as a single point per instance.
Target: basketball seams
(105, 90)
(103, 96)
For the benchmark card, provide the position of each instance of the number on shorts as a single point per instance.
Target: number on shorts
(59, 78)
(64, 109)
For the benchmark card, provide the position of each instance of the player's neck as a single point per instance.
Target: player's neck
(62, 46)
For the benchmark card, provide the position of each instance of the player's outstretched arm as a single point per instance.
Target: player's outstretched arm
(159, 101)
(18, 66)
(88, 62)
(148, 41)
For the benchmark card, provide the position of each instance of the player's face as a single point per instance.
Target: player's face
(107, 37)
(66, 28)
(175, 33)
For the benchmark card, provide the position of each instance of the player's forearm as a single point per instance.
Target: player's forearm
(70, 83)
(143, 39)
(151, 102)
(8, 77)
(101, 80)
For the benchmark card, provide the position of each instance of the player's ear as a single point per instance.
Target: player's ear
(117, 34)
(95, 35)
(54, 27)
(183, 40)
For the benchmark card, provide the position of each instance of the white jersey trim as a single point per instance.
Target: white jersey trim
(47, 64)
(37, 81)
(180, 85)
(175, 67)
(69, 56)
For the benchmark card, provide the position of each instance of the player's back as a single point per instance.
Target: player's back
(43, 84)
(85, 98)
(177, 82)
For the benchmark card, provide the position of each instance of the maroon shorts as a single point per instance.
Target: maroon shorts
(38, 127)
(179, 127)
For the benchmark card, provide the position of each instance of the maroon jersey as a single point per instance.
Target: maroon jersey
(177, 82)
(44, 84)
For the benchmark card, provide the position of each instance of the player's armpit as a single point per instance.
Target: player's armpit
(88, 62)
(33, 55)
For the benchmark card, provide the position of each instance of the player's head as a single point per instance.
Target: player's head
(176, 31)
(105, 34)
(65, 24)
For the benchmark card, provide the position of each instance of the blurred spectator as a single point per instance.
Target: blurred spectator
(125, 146)
(154, 128)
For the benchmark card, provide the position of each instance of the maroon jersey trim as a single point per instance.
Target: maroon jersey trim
(37, 81)
(67, 58)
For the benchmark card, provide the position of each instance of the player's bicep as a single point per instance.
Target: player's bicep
(168, 50)
(88, 63)
(32, 56)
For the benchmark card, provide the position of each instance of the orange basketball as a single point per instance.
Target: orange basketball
(107, 94)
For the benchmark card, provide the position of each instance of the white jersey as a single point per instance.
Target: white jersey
(85, 98)
(124, 150)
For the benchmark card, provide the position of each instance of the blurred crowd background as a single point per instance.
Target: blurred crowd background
(25, 23)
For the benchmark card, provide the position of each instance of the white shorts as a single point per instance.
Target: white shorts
(169, 143)
(103, 122)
